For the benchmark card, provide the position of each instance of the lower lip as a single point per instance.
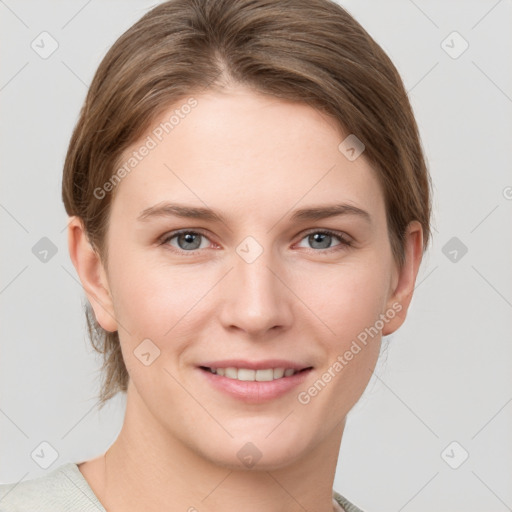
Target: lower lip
(255, 391)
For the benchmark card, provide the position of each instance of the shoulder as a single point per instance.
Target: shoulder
(63, 489)
(347, 506)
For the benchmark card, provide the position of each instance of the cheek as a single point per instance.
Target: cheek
(350, 306)
(347, 298)
(154, 303)
(158, 301)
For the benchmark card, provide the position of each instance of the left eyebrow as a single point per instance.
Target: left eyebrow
(303, 214)
(324, 212)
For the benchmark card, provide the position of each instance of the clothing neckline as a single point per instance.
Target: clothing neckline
(72, 470)
(76, 475)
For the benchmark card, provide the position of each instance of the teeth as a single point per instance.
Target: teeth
(278, 373)
(264, 375)
(245, 374)
(231, 373)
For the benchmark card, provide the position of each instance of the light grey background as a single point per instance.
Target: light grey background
(447, 373)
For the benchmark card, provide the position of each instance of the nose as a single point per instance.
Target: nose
(256, 298)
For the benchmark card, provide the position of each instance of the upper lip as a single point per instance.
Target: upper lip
(255, 365)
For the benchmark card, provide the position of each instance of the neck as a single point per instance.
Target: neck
(146, 468)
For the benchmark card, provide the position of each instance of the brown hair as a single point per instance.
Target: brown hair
(309, 51)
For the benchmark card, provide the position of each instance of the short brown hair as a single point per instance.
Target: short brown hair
(308, 51)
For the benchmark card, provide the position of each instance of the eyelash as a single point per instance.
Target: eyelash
(344, 241)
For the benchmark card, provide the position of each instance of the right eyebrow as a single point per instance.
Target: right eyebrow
(174, 210)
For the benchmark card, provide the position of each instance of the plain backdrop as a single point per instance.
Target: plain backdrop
(432, 430)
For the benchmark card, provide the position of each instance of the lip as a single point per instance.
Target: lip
(255, 392)
(255, 365)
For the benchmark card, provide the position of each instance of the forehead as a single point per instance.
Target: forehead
(244, 150)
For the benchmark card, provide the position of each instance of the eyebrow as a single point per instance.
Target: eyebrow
(193, 212)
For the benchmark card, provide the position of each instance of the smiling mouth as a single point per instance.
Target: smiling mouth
(248, 375)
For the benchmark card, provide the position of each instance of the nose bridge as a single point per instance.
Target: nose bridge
(255, 299)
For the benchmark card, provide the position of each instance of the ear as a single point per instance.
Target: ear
(404, 279)
(92, 274)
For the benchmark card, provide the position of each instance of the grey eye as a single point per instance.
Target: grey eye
(321, 240)
(187, 241)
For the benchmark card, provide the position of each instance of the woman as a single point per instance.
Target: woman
(249, 205)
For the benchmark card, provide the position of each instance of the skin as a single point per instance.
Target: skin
(298, 300)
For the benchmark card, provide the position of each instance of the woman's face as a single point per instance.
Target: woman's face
(262, 289)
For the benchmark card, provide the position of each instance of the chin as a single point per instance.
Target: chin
(255, 453)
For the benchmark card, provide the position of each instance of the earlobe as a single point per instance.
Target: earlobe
(403, 289)
(92, 274)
